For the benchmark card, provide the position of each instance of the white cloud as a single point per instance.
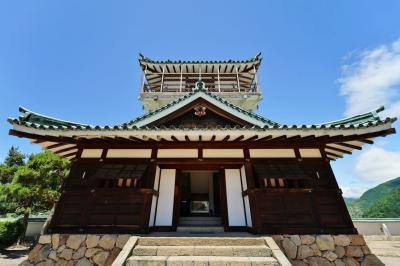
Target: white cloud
(353, 192)
(377, 165)
(372, 79)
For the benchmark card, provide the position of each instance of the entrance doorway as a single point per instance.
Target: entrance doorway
(200, 198)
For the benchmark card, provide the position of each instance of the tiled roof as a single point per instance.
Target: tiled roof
(148, 60)
(35, 120)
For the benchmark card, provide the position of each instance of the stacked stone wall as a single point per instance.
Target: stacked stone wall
(326, 250)
(76, 250)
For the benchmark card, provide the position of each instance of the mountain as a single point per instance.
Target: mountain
(386, 207)
(360, 207)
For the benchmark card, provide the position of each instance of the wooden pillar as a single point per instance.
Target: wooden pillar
(237, 77)
(162, 79)
(143, 78)
(180, 83)
(255, 77)
(219, 80)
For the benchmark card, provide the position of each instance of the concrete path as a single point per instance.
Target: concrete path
(387, 251)
(13, 256)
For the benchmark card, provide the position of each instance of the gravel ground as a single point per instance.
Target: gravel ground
(387, 251)
(13, 255)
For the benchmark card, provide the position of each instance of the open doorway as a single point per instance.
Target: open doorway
(200, 203)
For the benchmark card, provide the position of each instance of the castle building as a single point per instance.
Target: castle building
(201, 157)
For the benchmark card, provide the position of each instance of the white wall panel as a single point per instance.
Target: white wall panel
(154, 199)
(246, 198)
(166, 198)
(234, 198)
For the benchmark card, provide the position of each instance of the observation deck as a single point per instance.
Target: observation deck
(234, 81)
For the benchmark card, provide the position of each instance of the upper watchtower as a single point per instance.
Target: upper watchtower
(165, 81)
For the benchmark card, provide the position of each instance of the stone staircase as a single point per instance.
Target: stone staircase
(157, 251)
(200, 225)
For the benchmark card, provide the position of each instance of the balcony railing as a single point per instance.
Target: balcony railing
(214, 82)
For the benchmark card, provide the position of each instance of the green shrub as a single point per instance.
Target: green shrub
(10, 231)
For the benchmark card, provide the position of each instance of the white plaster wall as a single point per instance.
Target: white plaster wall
(234, 198)
(154, 199)
(166, 198)
(373, 227)
(246, 198)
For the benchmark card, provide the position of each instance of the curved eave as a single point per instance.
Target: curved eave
(338, 141)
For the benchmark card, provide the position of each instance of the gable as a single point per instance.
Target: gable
(222, 107)
(200, 114)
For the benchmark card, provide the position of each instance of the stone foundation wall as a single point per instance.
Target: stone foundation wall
(76, 250)
(329, 250)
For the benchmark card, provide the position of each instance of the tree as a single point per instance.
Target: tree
(13, 160)
(14, 157)
(36, 185)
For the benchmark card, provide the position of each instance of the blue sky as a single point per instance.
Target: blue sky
(322, 60)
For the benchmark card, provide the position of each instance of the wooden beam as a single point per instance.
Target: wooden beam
(252, 138)
(265, 138)
(226, 138)
(174, 138)
(366, 141)
(238, 138)
(333, 154)
(68, 154)
(64, 150)
(187, 138)
(55, 145)
(349, 145)
(212, 138)
(136, 139)
(337, 149)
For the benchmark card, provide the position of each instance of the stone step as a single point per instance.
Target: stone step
(200, 222)
(192, 218)
(200, 229)
(201, 241)
(200, 260)
(235, 251)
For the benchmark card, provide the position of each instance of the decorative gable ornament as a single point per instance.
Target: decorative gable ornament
(199, 110)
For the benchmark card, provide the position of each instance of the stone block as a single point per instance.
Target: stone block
(325, 242)
(351, 262)
(34, 252)
(339, 250)
(55, 241)
(223, 251)
(90, 252)
(112, 256)
(290, 248)
(92, 241)
(304, 252)
(339, 262)
(46, 263)
(80, 253)
(365, 249)
(42, 254)
(342, 240)
(319, 261)
(146, 261)
(121, 240)
(44, 239)
(263, 261)
(232, 261)
(53, 255)
(329, 255)
(100, 258)
(295, 239)
(107, 242)
(145, 251)
(61, 262)
(203, 251)
(316, 250)
(84, 262)
(75, 241)
(357, 240)
(307, 239)
(66, 254)
(354, 251)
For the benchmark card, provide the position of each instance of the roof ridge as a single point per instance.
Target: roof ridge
(230, 61)
(356, 118)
